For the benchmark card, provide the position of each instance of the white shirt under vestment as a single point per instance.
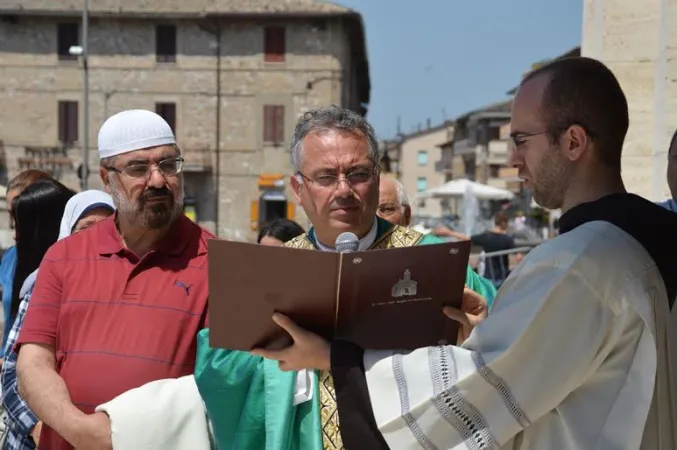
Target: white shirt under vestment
(577, 354)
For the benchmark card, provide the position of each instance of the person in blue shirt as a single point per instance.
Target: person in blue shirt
(671, 204)
(8, 265)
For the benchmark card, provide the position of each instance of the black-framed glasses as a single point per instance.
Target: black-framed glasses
(517, 138)
(355, 178)
(168, 167)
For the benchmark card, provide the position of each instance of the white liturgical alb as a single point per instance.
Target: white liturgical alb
(575, 355)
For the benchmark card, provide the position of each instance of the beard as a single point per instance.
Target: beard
(551, 178)
(155, 208)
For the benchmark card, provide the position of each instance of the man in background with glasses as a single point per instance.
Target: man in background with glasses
(119, 304)
(393, 202)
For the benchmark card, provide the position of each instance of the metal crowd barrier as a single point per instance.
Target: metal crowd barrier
(486, 266)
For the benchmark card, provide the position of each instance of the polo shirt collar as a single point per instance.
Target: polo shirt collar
(174, 242)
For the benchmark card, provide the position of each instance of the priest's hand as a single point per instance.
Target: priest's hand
(308, 351)
(474, 310)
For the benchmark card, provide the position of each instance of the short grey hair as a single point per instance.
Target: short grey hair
(328, 119)
(402, 196)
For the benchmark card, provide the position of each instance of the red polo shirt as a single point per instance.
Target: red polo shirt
(117, 321)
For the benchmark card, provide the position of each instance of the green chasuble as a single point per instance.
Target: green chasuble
(249, 400)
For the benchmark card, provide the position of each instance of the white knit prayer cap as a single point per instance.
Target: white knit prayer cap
(133, 130)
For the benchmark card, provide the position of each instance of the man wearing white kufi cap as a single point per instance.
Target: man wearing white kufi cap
(119, 304)
(140, 135)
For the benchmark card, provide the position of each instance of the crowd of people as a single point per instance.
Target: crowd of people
(105, 301)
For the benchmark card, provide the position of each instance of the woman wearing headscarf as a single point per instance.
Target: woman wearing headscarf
(80, 212)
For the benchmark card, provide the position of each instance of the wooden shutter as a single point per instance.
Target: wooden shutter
(72, 121)
(68, 122)
(62, 121)
(168, 112)
(279, 124)
(268, 123)
(273, 124)
(274, 44)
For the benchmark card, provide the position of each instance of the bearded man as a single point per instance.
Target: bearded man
(250, 403)
(579, 349)
(119, 304)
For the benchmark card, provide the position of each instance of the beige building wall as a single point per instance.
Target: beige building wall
(318, 70)
(418, 173)
(638, 41)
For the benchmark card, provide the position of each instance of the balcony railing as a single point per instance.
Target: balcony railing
(498, 152)
(464, 147)
(53, 160)
(443, 166)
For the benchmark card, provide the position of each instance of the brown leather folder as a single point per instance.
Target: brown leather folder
(379, 299)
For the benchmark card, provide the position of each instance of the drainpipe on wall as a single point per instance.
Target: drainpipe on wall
(217, 175)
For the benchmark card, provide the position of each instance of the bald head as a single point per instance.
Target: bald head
(393, 203)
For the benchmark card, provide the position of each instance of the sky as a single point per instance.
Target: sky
(437, 59)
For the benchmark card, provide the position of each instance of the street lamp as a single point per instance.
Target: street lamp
(82, 52)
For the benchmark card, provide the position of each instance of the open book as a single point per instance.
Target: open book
(379, 299)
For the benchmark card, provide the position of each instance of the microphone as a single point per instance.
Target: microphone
(347, 243)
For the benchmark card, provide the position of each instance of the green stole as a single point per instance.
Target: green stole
(249, 400)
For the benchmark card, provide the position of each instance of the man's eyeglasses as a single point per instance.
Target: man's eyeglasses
(518, 138)
(354, 179)
(388, 210)
(167, 167)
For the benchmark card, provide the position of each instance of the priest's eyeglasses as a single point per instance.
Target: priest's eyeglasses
(167, 167)
(354, 178)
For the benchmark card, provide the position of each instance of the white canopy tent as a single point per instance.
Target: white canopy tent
(461, 187)
(463, 197)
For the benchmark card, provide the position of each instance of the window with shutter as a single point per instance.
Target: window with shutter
(68, 122)
(274, 44)
(168, 112)
(165, 43)
(273, 124)
(67, 35)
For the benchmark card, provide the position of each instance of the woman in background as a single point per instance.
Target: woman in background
(15, 186)
(277, 232)
(37, 213)
(79, 213)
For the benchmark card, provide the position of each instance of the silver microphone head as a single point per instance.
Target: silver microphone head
(347, 242)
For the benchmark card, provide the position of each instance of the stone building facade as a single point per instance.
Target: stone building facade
(638, 41)
(418, 154)
(231, 77)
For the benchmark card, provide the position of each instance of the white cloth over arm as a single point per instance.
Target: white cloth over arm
(564, 361)
(161, 415)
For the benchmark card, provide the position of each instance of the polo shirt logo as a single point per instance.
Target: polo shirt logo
(186, 287)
